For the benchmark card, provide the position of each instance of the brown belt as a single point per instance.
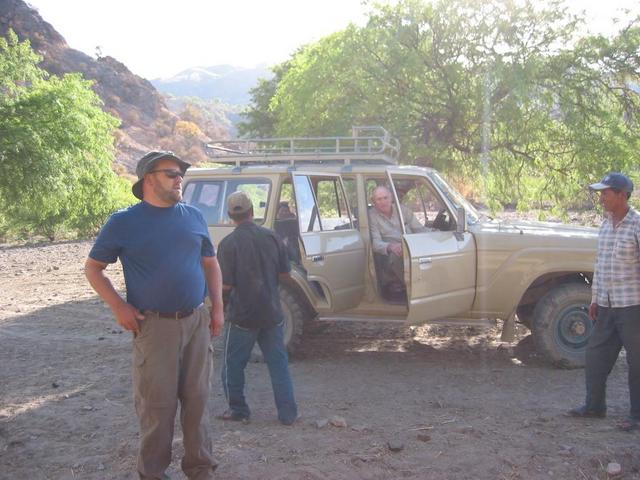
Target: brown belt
(175, 315)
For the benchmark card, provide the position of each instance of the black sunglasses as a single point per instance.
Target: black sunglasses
(169, 172)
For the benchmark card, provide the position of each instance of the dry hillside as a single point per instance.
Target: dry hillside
(147, 122)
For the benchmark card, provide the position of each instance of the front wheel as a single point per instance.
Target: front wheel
(294, 319)
(561, 325)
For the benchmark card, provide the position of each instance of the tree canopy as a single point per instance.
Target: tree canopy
(56, 149)
(512, 93)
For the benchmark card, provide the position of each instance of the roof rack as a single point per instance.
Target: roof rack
(367, 144)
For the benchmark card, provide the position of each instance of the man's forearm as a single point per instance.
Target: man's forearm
(594, 287)
(213, 275)
(94, 271)
(378, 245)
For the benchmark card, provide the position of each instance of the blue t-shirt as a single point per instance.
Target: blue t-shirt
(161, 251)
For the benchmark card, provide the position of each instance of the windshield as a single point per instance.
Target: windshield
(455, 197)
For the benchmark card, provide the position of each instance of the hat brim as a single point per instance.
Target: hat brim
(599, 186)
(136, 189)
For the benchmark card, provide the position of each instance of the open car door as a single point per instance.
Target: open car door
(333, 250)
(440, 260)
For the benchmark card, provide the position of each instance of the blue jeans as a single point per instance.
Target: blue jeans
(238, 343)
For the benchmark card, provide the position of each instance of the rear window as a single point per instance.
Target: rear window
(210, 197)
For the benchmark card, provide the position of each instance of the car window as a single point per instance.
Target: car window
(209, 196)
(206, 196)
(286, 222)
(286, 202)
(307, 211)
(332, 204)
(420, 199)
(322, 203)
(411, 198)
(257, 191)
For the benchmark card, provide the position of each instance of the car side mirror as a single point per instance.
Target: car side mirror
(461, 219)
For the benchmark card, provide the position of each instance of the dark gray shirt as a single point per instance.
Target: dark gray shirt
(251, 259)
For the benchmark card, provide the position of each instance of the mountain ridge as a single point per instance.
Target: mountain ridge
(225, 82)
(147, 121)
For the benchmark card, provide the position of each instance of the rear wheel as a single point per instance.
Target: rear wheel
(561, 325)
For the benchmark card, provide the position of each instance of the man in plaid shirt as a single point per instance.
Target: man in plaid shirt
(615, 300)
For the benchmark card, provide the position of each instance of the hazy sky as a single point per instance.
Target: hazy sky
(157, 38)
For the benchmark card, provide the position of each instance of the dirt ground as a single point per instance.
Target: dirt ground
(428, 403)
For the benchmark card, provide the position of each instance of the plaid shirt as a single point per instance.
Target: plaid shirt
(616, 280)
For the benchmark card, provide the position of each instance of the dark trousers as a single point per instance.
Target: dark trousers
(614, 328)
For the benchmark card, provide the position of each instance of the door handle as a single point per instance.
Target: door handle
(425, 260)
(317, 258)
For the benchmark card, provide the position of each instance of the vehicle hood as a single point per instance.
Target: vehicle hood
(518, 234)
(541, 230)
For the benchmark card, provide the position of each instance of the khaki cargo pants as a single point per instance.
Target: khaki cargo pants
(172, 361)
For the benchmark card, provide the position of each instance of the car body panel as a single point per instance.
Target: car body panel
(334, 259)
(441, 276)
(512, 255)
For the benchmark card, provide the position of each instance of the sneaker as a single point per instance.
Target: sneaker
(583, 412)
(288, 423)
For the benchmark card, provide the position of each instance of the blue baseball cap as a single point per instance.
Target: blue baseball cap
(615, 180)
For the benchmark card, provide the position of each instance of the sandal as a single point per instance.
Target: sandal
(584, 412)
(628, 424)
(230, 416)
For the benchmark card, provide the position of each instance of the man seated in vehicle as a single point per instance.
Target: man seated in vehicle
(386, 237)
(284, 211)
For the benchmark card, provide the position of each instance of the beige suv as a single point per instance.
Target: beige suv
(466, 269)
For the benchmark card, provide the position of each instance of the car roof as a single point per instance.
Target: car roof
(269, 169)
(369, 149)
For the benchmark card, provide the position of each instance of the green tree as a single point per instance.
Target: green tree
(56, 149)
(502, 91)
(260, 121)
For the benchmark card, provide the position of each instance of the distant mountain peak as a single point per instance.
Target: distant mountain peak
(228, 83)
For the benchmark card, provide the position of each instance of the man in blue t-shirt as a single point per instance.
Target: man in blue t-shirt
(253, 261)
(169, 267)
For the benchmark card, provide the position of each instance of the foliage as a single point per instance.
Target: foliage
(499, 91)
(213, 117)
(188, 130)
(260, 120)
(197, 121)
(56, 149)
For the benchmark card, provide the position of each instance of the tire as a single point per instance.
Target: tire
(294, 318)
(561, 325)
(525, 315)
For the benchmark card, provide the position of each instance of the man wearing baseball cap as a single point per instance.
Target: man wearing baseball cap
(253, 262)
(615, 300)
(169, 268)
